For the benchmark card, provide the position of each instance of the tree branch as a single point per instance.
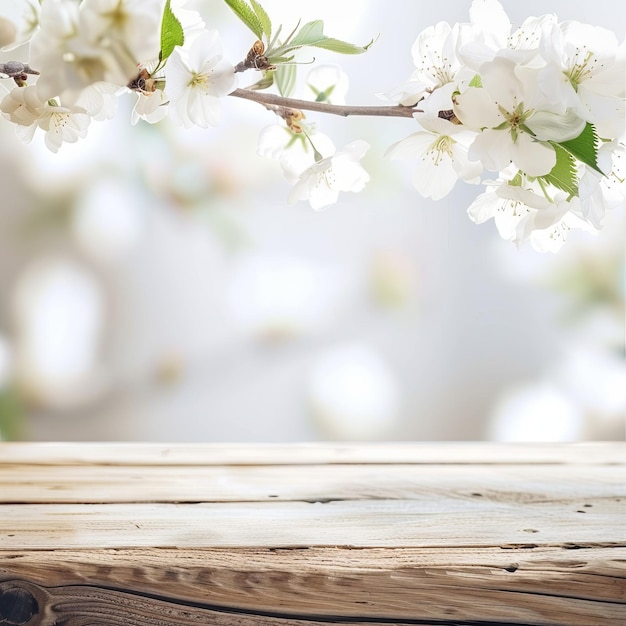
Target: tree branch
(278, 104)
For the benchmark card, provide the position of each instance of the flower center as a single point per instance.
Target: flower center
(326, 177)
(117, 15)
(443, 145)
(59, 120)
(583, 68)
(515, 119)
(438, 67)
(199, 81)
(515, 208)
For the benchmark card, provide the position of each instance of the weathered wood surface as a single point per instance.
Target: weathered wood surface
(463, 534)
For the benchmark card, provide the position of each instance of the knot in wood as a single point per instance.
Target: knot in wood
(17, 606)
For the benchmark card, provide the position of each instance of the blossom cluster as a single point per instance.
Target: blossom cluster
(84, 55)
(535, 114)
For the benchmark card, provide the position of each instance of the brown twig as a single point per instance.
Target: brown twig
(276, 104)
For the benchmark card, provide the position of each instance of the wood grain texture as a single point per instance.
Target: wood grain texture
(483, 453)
(321, 536)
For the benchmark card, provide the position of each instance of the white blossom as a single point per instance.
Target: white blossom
(151, 106)
(22, 105)
(294, 151)
(523, 211)
(321, 183)
(440, 149)
(79, 44)
(493, 36)
(196, 78)
(60, 123)
(149, 85)
(190, 19)
(599, 193)
(126, 30)
(27, 25)
(514, 120)
(435, 57)
(587, 70)
(8, 32)
(329, 83)
(440, 152)
(99, 100)
(66, 63)
(551, 239)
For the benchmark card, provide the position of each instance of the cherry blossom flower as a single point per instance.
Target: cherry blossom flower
(197, 77)
(514, 120)
(294, 151)
(321, 183)
(190, 19)
(66, 64)
(61, 123)
(79, 44)
(27, 24)
(21, 105)
(151, 107)
(149, 84)
(8, 32)
(99, 100)
(522, 211)
(552, 238)
(329, 83)
(492, 36)
(126, 30)
(440, 149)
(435, 56)
(600, 193)
(586, 68)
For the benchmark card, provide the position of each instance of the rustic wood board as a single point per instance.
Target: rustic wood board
(463, 534)
(129, 454)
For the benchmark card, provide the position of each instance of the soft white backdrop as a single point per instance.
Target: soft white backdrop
(155, 285)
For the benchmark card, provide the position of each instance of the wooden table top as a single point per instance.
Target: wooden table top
(310, 534)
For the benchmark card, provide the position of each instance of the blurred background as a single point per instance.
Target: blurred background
(156, 286)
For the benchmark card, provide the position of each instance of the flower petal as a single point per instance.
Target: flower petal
(434, 177)
(535, 158)
(549, 126)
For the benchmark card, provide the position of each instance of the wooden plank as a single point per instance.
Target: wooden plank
(491, 585)
(311, 453)
(448, 534)
(439, 522)
(150, 483)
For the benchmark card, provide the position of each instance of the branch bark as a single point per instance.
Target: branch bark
(279, 104)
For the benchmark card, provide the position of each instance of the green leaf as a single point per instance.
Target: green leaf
(172, 34)
(585, 147)
(278, 60)
(323, 96)
(516, 181)
(563, 174)
(285, 79)
(265, 83)
(243, 11)
(342, 47)
(12, 415)
(274, 39)
(476, 81)
(310, 33)
(264, 18)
